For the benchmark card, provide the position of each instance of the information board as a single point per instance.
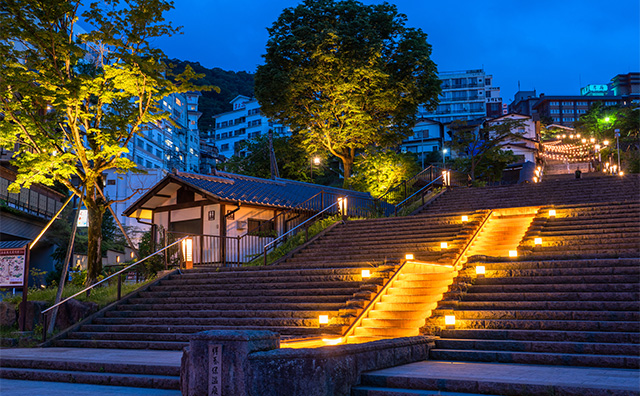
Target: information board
(12, 267)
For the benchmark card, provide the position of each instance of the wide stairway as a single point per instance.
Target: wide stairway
(569, 300)
(554, 190)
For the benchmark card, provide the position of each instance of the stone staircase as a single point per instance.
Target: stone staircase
(285, 299)
(502, 233)
(555, 304)
(554, 190)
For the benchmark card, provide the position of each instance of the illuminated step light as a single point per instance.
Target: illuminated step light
(606, 142)
(535, 179)
(513, 253)
(332, 341)
(465, 218)
(450, 320)
(584, 140)
(571, 136)
(592, 140)
(577, 136)
(366, 273)
(552, 213)
(480, 269)
(621, 173)
(323, 319)
(444, 245)
(537, 241)
(408, 256)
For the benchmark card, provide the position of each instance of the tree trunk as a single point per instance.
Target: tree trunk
(94, 247)
(347, 164)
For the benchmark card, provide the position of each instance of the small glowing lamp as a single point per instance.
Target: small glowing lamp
(408, 256)
(465, 218)
(597, 147)
(552, 213)
(592, 140)
(606, 142)
(334, 341)
(621, 173)
(444, 245)
(117, 259)
(480, 269)
(323, 319)
(535, 179)
(513, 253)
(577, 136)
(316, 160)
(564, 136)
(570, 136)
(450, 320)
(366, 273)
(537, 241)
(584, 140)
(131, 254)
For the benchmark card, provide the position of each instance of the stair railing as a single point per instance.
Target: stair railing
(420, 194)
(305, 225)
(119, 274)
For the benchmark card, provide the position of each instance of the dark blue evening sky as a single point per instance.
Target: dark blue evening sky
(553, 46)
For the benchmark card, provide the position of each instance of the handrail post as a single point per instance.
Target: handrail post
(44, 326)
(238, 251)
(119, 286)
(265, 255)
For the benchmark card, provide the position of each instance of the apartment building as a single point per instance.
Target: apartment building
(244, 122)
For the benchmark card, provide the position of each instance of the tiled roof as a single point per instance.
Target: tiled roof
(13, 244)
(254, 190)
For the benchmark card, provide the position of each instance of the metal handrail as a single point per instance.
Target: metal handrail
(404, 182)
(111, 276)
(300, 225)
(417, 192)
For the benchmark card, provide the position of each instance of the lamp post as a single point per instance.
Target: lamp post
(444, 153)
(312, 161)
(617, 132)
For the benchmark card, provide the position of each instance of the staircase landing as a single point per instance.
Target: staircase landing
(438, 377)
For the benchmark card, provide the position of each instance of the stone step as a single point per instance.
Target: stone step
(550, 305)
(166, 292)
(568, 325)
(540, 346)
(146, 328)
(362, 390)
(208, 321)
(242, 300)
(541, 288)
(386, 332)
(558, 279)
(512, 314)
(563, 263)
(121, 344)
(424, 299)
(395, 323)
(562, 271)
(543, 335)
(417, 291)
(556, 295)
(397, 314)
(91, 366)
(271, 271)
(211, 313)
(96, 378)
(266, 283)
(232, 306)
(405, 306)
(564, 359)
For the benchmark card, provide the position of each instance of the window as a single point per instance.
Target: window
(139, 143)
(581, 111)
(556, 119)
(111, 182)
(149, 149)
(224, 147)
(178, 102)
(139, 160)
(569, 119)
(261, 228)
(567, 103)
(554, 103)
(581, 103)
(610, 103)
(554, 111)
(158, 153)
(567, 111)
(149, 164)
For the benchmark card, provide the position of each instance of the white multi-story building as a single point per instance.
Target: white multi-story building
(244, 122)
(466, 95)
(161, 147)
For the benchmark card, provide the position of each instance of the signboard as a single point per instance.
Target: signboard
(594, 90)
(83, 218)
(12, 267)
(215, 370)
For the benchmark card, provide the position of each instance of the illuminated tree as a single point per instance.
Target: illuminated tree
(72, 101)
(377, 172)
(476, 144)
(346, 76)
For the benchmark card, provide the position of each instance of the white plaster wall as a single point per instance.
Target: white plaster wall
(185, 214)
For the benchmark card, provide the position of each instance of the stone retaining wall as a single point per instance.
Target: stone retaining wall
(251, 363)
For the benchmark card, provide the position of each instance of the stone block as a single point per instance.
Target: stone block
(7, 314)
(73, 311)
(33, 317)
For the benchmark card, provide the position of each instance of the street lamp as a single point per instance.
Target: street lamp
(444, 153)
(617, 132)
(316, 161)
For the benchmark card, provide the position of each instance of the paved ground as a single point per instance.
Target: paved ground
(132, 356)
(620, 379)
(37, 388)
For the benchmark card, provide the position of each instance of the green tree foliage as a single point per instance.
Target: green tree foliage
(293, 161)
(73, 102)
(478, 144)
(346, 76)
(231, 84)
(377, 172)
